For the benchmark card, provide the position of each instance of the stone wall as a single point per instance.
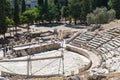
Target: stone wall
(81, 52)
(38, 49)
(73, 37)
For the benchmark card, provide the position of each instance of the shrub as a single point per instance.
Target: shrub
(101, 16)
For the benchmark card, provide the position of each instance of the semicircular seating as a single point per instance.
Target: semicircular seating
(106, 43)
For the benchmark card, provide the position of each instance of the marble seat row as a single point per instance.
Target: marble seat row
(106, 43)
(95, 40)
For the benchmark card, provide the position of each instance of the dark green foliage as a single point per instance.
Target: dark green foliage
(48, 11)
(23, 6)
(85, 9)
(104, 3)
(9, 21)
(45, 6)
(29, 16)
(59, 4)
(101, 16)
(111, 14)
(97, 3)
(55, 2)
(66, 2)
(92, 5)
(115, 4)
(40, 2)
(52, 13)
(8, 9)
(100, 3)
(65, 11)
(75, 9)
(40, 10)
(3, 27)
(16, 12)
(53, 10)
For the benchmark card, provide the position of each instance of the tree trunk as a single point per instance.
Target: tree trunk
(42, 21)
(79, 21)
(75, 21)
(70, 21)
(28, 27)
(50, 22)
(9, 31)
(65, 20)
(4, 36)
(15, 29)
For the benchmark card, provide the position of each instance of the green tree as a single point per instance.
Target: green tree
(110, 3)
(59, 4)
(40, 10)
(74, 9)
(40, 2)
(91, 5)
(90, 18)
(105, 3)
(46, 6)
(9, 22)
(23, 6)
(101, 16)
(8, 9)
(16, 14)
(52, 12)
(3, 27)
(45, 10)
(55, 2)
(85, 9)
(9, 14)
(100, 3)
(66, 2)
(29, 16)
(111, 14)
(115, 4)
(65, 12)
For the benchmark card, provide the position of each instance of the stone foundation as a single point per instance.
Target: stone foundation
(37, 49)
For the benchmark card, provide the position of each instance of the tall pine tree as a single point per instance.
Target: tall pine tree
(8, 9)
(41, 10)
(85, 9)
(3, 27)
(46, 6)
(23, 6)
(16, 14)
(40, 2)
(45, 9)
(55, 2)
(97, 3)
(74, 9)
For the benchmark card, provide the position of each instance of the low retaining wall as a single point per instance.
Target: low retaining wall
(37, 49)
(95, 51)
(74, 49)
(113, 76)
(86, 67)
(99, 55)
(73, 37)
(13, 76)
